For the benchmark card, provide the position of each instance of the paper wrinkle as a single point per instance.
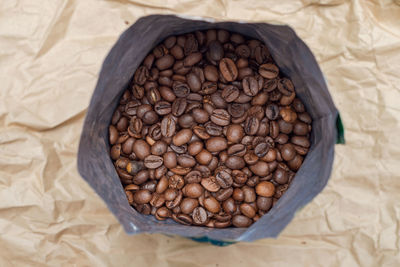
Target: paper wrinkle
(50, 56)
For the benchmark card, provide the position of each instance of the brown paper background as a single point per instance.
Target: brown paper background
(50, 56)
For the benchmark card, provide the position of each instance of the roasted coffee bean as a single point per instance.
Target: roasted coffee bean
(182, 137)
(216, 144)
(153, 162)
(260, 168)
(201, 132)
(141, 75)
(241, 221)
(285, 86)
(193, 190)
(228, 69)
(213, 129)
(250, 86)
(199, 216)
(186, 161)
(264, 203)
(230, 93)
(251, 125)
(281, 176)
(268, 71)
(224, 194)
(210, 184)
(288, 114)
(142, 196)
(300, 141)
(141, 149)
(265, 189)
(235, 163)
(224, 178)
(273, 129)
(188, 205)
(300, 128)
(220, 117)
(182, 219)
(237, 150)
(288, 152)
(162, 108)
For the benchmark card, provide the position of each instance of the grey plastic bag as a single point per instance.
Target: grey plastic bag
(294, 60)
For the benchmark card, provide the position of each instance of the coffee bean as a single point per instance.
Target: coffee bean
(268, 71)
(153, 162)
(141, 75)
(188, 205)
(142, 196)
(260, 168)
(228, 69)
(251, 125)
(224, 194)
(235, 163)
(285, 86)
(212, 205)
(265, 189)
(211, 73)
(165, 62)
(193, 190)
(288, 115)
(250, 86)
(224, 178)
(204, 157)
(300, 141)
(199, 216)
(201, 132)
(237, 150)
(220, 117)
(216, 144)
(300, 128)
(182, 137)
(261, 149)
(141, 149)
(213, 129)
(210, 184)
(241, 221)
(264, 203)
(182, 219)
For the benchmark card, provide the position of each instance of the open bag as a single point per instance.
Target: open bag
(294, 59)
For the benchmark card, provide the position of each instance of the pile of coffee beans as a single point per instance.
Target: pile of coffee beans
(209, 132)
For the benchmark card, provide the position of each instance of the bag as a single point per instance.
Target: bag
(295, 61)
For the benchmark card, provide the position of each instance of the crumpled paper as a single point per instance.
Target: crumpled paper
(50, 56)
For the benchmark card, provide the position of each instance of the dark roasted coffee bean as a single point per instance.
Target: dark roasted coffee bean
(285, 86)
(250, 86)
(260, 168)
(199, 216)
(241, 221)
(237, 150)
(230, 93)
(251, 125)
(168, 126)
(142, 196)
(224, 178)
(220, 117)
(213, 129)
(265, 189)
(216, 144)
(211, 73)
(162, 108)
(153, 161)
(216, 50)
(261, 149)
(300, 128)
(208, 88)
(201, 132)
(141, 75)
(273, 129)
(264, 203)
(191, 44)
(268, 71)
(282, 139)
(236, 110)
(165, 62)
(224, 194)
(228, 69)
(235, 163)
(300, 141)
(182, 219)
